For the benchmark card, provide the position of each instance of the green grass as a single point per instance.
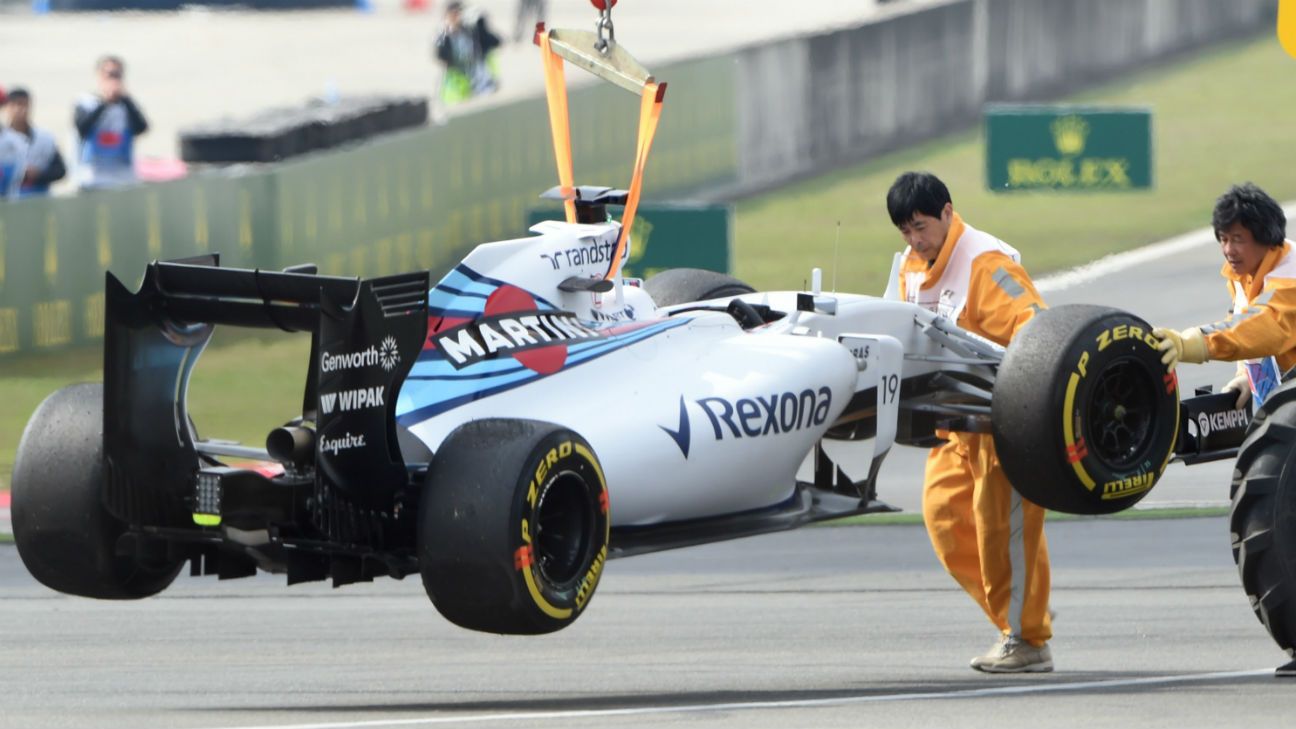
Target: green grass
(1218, 118)
(240, 389)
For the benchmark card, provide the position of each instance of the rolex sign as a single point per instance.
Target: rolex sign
(1067, 148)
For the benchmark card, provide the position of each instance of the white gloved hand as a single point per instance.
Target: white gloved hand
(1242, 385)
(1186, 346)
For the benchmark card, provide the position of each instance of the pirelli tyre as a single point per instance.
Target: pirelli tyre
(513, 526)
(1084, 414)
(683, 285)
(1262, 523)
(65, 536)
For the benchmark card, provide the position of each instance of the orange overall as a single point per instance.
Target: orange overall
(1263, 320)
(988, 537)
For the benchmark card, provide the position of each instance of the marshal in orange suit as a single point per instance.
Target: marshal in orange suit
(989, 538)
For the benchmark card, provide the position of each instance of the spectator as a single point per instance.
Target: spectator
(108, 123)
(13, 158)
(533, 8)
(44, 163)
(464, 47)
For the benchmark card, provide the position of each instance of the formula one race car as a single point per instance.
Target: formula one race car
(508, 430)
(504, 432)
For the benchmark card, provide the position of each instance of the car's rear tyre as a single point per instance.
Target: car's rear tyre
(513, 526)
(1262, 522)
(1085, 416)
(65, 536)
(684, 285)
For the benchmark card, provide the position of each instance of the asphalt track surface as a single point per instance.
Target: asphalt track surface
(823, 627)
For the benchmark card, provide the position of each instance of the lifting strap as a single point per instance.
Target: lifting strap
(559, 121)
(652, 95)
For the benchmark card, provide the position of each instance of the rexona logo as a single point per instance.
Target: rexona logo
(509, 333)
(385, 355)
(341, 443)
(348, 400)
(1208, 423)
(759, 416)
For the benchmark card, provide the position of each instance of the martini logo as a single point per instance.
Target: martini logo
(348, 400)
(512, 325)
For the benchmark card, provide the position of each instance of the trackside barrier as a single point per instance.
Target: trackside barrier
(733, 123)
(819, 101)
(410, 199)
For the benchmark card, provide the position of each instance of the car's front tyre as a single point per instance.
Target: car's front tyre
(1085, 415)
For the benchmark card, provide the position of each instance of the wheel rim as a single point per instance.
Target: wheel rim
(565, 522)
(1120, 414)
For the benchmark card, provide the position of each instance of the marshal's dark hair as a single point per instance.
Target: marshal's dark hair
(1255, 210)
(916, 192)
(107, 59)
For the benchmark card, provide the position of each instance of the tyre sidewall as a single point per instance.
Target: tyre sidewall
(561, 457)
(1126, 342)
(676, 286)
(479, 520)
(65, 536)
(1041, 409)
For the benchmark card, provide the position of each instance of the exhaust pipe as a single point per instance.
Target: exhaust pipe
(292, 445)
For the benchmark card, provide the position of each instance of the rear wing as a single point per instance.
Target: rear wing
(365, 336)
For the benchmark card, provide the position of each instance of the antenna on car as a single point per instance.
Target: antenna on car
(836, 251)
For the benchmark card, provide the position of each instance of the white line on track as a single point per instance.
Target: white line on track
(1120, 261)
(534, 716)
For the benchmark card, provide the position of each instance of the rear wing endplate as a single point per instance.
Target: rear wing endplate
(153, 338)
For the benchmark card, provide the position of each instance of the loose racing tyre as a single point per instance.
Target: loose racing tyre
(1262, 522)
(1084, 414)
(683, 285)
(65, 535)
(513, 526)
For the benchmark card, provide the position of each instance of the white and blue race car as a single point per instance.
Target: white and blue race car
(504, 432)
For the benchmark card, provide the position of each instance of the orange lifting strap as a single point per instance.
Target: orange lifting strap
(650, 107)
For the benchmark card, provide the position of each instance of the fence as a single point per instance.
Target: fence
(421, 198)
(813, 102)
(734, 123)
